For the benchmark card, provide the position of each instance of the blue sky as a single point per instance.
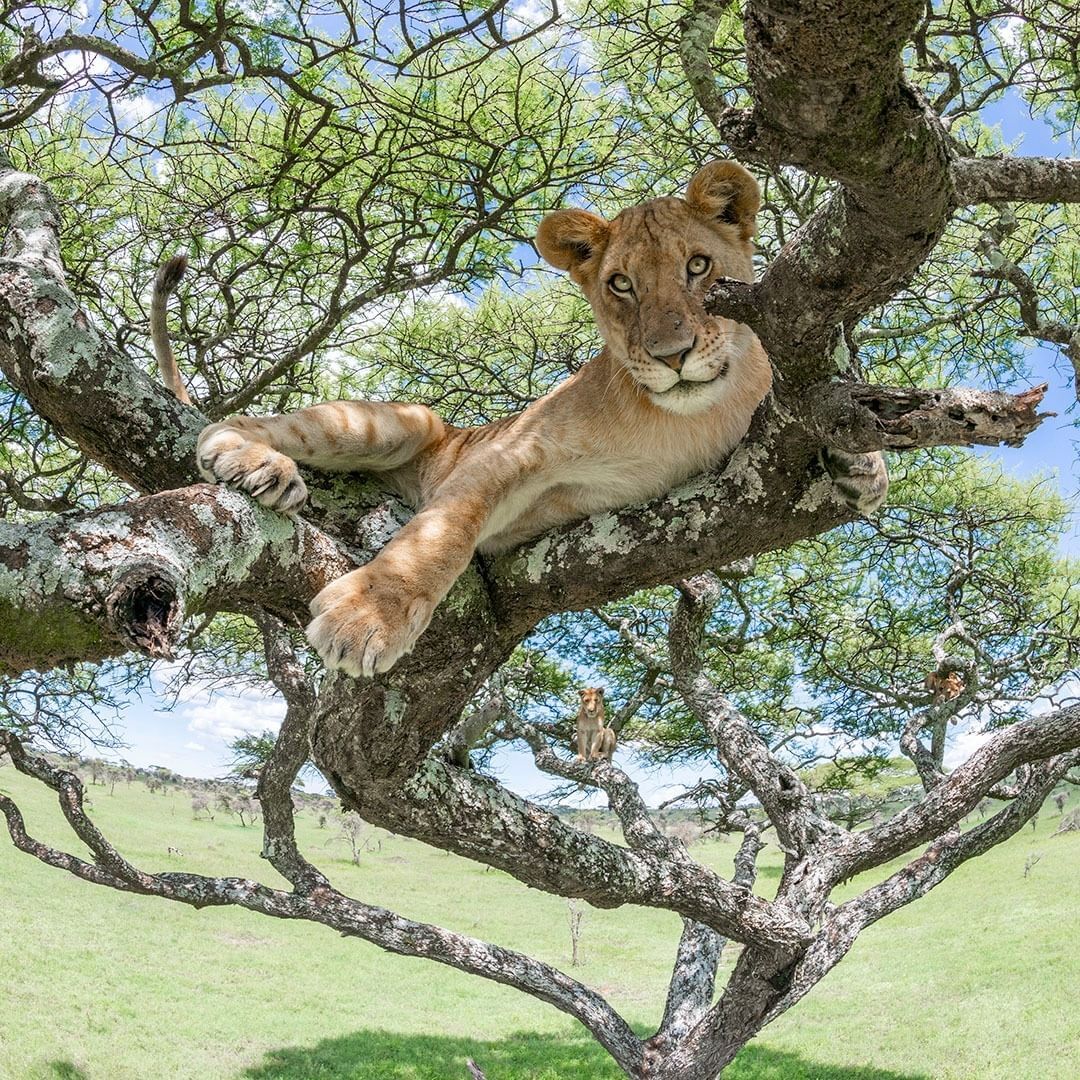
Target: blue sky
(191, 737)
(1055, 445)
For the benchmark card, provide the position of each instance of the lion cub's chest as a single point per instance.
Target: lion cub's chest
(573, 485)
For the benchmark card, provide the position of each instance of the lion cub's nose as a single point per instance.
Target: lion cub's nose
(674, 360)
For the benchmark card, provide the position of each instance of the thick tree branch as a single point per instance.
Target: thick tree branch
(84, 586)
(951, 848)
(845, 113)
(1036, 739)
(784, 797)
(693, 980)
(52, 354)
(1016, 179)
(858, 417)
(290, 753)
(473, 816)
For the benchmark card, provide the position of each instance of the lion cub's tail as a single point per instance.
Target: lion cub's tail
(165, 282)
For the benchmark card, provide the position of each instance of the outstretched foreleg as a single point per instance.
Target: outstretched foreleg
(365, 621)
(258, 454)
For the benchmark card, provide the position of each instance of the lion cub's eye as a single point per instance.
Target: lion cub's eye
(697, 265)
(620, 283)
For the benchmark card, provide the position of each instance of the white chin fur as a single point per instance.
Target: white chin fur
(689, 397)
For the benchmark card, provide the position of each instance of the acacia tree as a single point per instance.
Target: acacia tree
(346, 184)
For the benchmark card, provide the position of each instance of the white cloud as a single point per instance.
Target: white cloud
(1008, 30)
(134, 111)
(963, 745)
(228, 716)
(194, 746)
(79, 66)
(528, 15)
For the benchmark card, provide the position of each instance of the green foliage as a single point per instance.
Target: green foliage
(358, 201)
(250, 753)
(867, 775)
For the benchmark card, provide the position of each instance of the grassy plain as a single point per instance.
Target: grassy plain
(977, 981)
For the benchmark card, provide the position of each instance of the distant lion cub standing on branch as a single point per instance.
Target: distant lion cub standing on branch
(671, 393)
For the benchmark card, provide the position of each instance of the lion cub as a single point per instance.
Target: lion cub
(595, 741)
(944, 687)
(676, 387)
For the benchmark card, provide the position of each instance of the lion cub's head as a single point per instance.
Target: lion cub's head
(592, 700)
(645, 275)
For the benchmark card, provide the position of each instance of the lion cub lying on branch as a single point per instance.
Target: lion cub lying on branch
(671, 393)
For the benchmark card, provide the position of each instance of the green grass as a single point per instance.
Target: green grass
(978, 980)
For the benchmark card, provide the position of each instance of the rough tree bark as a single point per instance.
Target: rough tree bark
(91, 585)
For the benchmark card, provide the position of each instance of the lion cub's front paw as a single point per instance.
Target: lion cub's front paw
(226, 455)
(364, 623)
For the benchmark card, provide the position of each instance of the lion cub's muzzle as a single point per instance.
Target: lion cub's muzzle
(673, 358)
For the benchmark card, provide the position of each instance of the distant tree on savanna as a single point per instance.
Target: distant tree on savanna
(200, 804)
(246, 809)
(358, 835)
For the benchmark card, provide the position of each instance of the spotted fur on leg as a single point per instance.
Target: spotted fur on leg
(861, 480)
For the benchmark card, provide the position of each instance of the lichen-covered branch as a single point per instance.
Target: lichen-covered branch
(859, 417)
(761, 988)
(782, 794)
(290, 753)
(88, 585)
(951, 848)
(1035, 739)
(51, 352)
(693, 979)
(474, 816)
(845, 113)
(1016, 179)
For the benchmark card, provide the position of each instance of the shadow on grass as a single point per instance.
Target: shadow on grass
(63, 1070)
(382, 1055)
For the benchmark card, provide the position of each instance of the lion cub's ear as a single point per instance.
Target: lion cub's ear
(567, 238)
(724, 190)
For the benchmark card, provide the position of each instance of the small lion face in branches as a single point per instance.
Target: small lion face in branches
(646, 273)
(594, 740)
(592, 700)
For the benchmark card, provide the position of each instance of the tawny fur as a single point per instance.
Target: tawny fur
(672, 393)
(944, 686)
(608, 741)
(590, 723)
